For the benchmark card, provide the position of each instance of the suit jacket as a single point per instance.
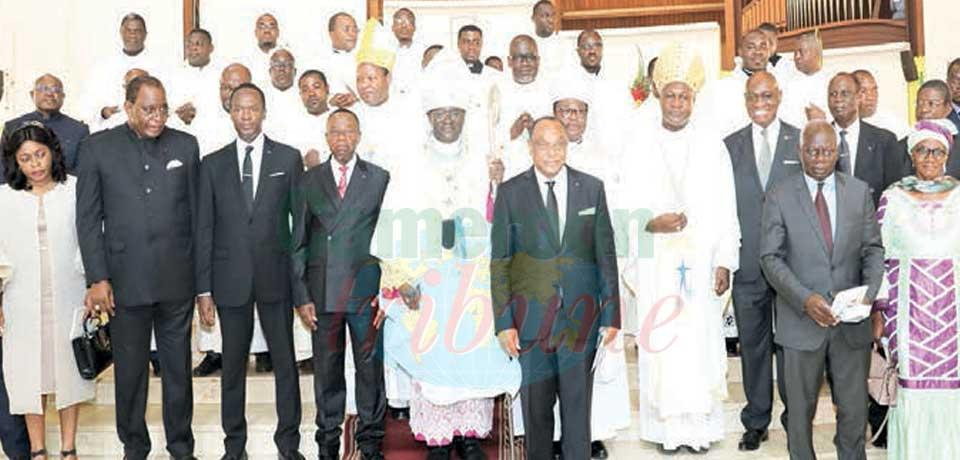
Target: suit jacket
(796, 262)
(879, 161)
(750, 193)
(954, 117)
(332, 264)
(136, 212)
(542, 286)
(68, 130)
(953, 160)
(243, 255)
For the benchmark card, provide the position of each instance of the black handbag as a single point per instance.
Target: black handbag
(93, 350)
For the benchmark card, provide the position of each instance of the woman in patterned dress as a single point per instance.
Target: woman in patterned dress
(920, 221)
(43, 287)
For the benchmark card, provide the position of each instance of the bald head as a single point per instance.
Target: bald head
(231, 78)
(133, 74)
(548, 146)
(48, 94)
(818, 149)
(267, 30)
(763, 97)
(524, 59)
(283, 69)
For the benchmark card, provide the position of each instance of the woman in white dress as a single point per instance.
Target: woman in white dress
(42, 286)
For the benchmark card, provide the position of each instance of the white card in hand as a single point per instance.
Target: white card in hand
(848, 305)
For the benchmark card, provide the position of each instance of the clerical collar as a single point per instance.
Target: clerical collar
(451, 150)
(129, 54)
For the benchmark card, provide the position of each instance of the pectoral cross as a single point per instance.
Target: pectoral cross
(683, 269)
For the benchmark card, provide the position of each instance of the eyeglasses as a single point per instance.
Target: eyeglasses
(159, 111)
(49, 89)
(281, 65)
(567, 113)
(925, 153)
(525, 58)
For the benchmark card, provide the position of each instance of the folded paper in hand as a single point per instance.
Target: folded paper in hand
(848, 305)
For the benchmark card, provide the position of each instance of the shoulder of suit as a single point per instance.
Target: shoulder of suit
(877, 131)
(788, 183)
(788, 128)
(854, 183)
(280, 147)
(179, 136)
(584, 178)
(373, 167)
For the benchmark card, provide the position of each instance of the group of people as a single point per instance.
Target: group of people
(427, 230)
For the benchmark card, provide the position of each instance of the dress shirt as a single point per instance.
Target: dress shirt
(773, 136)
(256, 157)
(853, 139)
(829, 195)
(559, 189)
(335, 169)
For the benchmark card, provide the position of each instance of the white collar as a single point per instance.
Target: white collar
(560, 178)
(257, 143)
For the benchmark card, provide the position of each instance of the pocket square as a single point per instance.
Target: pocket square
(791, 162)
(588, 212)
(278, 174)
(173, 164)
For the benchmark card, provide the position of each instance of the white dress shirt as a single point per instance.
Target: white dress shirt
(853, 139)
(773, 135)
(559, 189)
(256, 157)
(335, 168)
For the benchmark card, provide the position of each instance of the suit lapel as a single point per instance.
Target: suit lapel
(573, 203)
(843, 204)
(785, 143)
(535, 201)
(355, 186)
(326, 181)
(865, 151)
(266, 166)
(749, 157)
(806, 204)
(233, 165)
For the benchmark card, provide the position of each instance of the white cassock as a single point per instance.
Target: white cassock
(105, 82)
(199, 86)
(890, 122)
(801, 90)
(258, 63)
(391, 130)
(307, 132)
(282, 108)
(533, 98)
(721, 105)
(340, 68)
(682, 363)
(555, 54)
(407, 70)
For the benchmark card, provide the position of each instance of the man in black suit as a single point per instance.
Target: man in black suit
(243, 243)
(953, 80)
(762, 154)
(865, 151)
(48, 95)
(136, 214)
(336, 211)
(554, 285)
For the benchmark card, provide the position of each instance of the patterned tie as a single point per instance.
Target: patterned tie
(844, 150)
(765, 160)
(823, 215)
(553, 209)
(247, 178)
(342, 184)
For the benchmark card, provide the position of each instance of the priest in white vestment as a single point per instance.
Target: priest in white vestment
(555, 52)
(525, 97)
(685, 181)
(98, 100)
(720, 104)
(805, 89)
(407, 69)
(339, 61)
(306, 130)
(194, 83)
(257, 59)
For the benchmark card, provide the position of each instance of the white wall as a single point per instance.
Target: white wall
(67, 37)
(941, 39)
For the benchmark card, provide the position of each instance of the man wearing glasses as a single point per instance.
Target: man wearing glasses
(48, 98)
(136, 214)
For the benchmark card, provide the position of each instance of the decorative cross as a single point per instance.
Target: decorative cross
(683, 269)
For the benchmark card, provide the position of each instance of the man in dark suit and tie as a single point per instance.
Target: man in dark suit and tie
(762, 154)
(554, 284)
(820, 237)
(136, 215)
(243, 262)
(336, 281)
(953, 80)
(865, 151)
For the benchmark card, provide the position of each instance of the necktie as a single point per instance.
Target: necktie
(823, 215)
(247, 178)
(553, 209)
(765, 159)
(489, 203)
(342, 183)
(843, 165)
